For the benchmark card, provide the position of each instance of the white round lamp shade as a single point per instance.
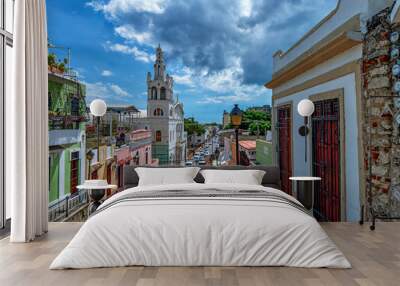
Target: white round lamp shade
(98, 107)
(305, 107)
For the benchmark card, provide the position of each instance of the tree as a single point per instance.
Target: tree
(259, 127)
(192, 126)
(255, 121)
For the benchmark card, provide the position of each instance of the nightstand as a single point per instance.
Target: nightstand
(304, 191)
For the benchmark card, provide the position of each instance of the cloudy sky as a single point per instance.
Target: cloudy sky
(218, 51)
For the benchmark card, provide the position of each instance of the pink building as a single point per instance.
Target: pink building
(140, 148)
(137, 152)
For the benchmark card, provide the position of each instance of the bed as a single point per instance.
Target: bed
(197, 224)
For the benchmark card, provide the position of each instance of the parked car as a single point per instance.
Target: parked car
(202, 163)
(196, 157)
(189, 163)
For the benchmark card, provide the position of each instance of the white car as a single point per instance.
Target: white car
(189, 163)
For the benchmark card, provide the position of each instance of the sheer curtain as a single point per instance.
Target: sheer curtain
(27, 124)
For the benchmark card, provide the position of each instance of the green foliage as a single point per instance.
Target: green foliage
(61, 94)
(259, 127)
(255, 121)
(192, 126)
(53, 62)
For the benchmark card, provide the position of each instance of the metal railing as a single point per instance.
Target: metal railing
(63, 208)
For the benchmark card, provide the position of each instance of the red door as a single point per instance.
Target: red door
(326, 159)
(285, 147)
(74, 175)
(109, 179)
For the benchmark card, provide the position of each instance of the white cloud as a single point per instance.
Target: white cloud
(245, 7)
(183, 79)
(227, 84)
(106, 73)
(114, 8)
(105, 91)
(243, 93)
(118, 90)
(130, 50)
(128, 32)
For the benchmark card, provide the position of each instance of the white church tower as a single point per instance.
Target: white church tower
(165, 115)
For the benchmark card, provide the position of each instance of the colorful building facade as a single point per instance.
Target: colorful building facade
(67, 138)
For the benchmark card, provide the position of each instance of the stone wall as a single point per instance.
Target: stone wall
(381, 108)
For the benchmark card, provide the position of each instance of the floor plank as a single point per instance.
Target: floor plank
(375, 257)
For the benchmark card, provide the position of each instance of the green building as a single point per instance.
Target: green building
(67, 137)
(263, 152)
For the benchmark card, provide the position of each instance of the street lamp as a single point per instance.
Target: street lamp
(305, 108)
(98, 108)
(236, 121)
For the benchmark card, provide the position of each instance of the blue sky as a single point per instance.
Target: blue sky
(218, 51)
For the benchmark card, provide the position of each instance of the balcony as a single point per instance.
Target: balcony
(64, 136)
(71, 207)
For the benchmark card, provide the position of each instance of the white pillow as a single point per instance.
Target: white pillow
(166, 176)
(248, 177)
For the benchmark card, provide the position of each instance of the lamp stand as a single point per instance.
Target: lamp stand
(237, 146)
(305, 137)
(98, 138)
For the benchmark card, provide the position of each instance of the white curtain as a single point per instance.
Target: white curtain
(27, 124)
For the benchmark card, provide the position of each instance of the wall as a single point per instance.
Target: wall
(302, 168)
(346, 11)
(264, 152)
(338, 61)
(381, 132)
(161, 152)
(54, 176)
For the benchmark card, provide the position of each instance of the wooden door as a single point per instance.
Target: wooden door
(74, 174)
(326, 159)
(284, 126)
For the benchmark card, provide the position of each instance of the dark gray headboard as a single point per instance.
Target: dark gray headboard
(271, 177)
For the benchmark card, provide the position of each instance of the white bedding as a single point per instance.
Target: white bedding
(200, 231)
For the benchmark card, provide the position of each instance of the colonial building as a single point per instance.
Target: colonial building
(67, 138)
(165, 116)
(344, 65)
(67, 145)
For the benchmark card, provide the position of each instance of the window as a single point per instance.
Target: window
(158, 112)
(145, 116)
(153, 93)
(6, 43)
(74, 106)
(163, 93)
(158, 136)
(49, 101)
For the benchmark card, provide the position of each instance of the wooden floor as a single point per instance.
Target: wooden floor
(375, 257)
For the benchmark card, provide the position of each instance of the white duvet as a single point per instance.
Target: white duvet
(200, 231)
